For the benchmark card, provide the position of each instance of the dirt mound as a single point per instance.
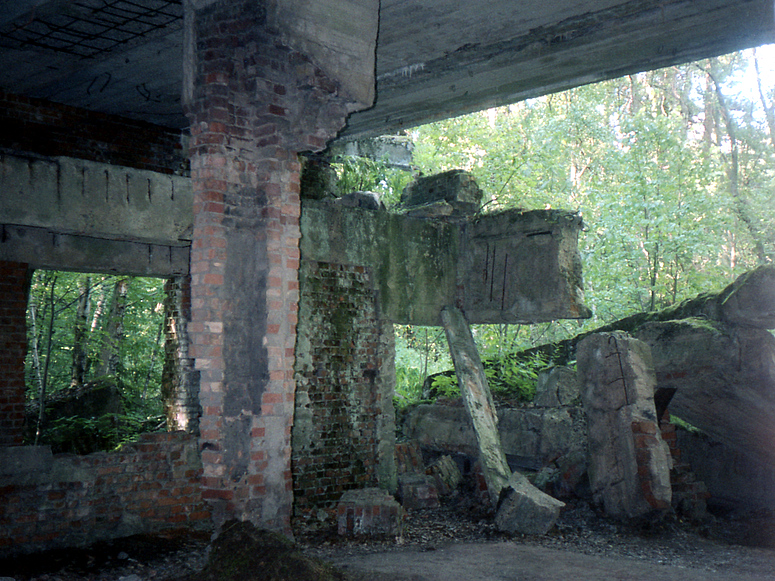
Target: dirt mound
(244, 553)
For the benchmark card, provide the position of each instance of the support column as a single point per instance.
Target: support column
(14, 288)
(254, 103)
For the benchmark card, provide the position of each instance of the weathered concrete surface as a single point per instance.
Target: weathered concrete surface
(724, 379)
(434, 58)
(339, 36)
(510, 267)
(74, 196)
(477, 399)
(522, 267)
(629, 464)
(531, 437)
(41, 248)
(524, 509)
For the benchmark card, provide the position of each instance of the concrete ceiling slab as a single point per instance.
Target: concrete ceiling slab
(434, 58)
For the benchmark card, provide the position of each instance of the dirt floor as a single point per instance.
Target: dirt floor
(460, 543)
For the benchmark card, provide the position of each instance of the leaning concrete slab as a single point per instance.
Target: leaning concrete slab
(477, 399)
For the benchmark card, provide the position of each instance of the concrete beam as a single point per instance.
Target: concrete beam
(606, 42)
(95, 200)
(43, 248)
(514, 267)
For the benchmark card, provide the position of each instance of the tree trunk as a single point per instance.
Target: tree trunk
(43, 383)
(733, 170)
(769, 109)
(80, 334)
(111, 359)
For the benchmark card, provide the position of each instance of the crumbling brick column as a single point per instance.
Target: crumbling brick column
(14, 288)
(254, 104)
(179, 381)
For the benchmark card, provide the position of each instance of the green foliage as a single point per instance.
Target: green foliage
(420, 351)
(446, 386)
(76, 435)
(357, 174)
(514, 378)
(509, 377)
(683, 424)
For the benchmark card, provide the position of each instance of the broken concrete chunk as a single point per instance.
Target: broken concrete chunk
(524, 509)
(366, 200)
(446, 473)
(456, 187)
(369, 511)
(556, 387)
(629, 463)
(417, 491)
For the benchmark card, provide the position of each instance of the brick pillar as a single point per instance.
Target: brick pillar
(255, 103)
(14, 287)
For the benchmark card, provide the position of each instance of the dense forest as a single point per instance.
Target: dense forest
(673, 172)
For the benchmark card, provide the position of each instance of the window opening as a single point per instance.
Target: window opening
(95, 361)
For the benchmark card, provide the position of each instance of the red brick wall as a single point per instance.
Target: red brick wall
(13, 348)
(338, 375)
(69, 500)
(50, 129)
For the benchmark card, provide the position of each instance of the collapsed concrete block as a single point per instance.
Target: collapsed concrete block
(556, 387)
(525, 509)
(417, 491)
(629, 463)
(369, 511)
(456, 187)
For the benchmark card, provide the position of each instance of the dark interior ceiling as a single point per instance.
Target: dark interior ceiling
(435, 58)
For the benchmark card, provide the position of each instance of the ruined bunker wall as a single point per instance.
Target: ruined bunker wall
(414, 260)
(14, 286)
(344, 425)
(49, 501)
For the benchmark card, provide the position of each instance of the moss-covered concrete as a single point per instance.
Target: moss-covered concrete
(512, 267)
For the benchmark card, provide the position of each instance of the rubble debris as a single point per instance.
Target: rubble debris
(417, 491)
(369, 512)
(524, 509)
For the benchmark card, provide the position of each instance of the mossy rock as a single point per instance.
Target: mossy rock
(244, 553)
